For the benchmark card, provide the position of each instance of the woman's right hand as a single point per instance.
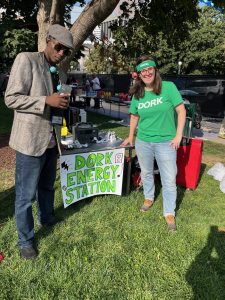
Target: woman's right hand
(127, 141)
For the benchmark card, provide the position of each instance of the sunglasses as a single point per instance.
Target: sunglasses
(59, 47)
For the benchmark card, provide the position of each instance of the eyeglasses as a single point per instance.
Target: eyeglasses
(146, 71)
(59, 47)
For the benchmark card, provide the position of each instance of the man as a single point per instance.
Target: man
(96, 87)
(31, 92)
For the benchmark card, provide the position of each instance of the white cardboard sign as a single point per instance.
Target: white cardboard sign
(88, 174)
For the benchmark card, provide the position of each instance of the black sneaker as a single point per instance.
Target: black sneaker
(51, 223)
(28, 252)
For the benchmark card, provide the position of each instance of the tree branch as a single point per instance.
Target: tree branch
(52, 11)
(57, 12)
(93, 14)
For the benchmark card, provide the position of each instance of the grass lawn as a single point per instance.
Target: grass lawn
(107, 249)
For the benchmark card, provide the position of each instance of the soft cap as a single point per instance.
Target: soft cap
(61, 34)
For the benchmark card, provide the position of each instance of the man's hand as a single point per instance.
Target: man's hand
(59, 101)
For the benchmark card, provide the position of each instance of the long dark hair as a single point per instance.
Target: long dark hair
(138, 89)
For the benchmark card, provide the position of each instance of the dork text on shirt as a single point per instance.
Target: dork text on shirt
(151, 103)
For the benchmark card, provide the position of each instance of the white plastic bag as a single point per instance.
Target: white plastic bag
(217, 171)
(222, 185)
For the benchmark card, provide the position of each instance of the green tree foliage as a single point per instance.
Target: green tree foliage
(138, 27)
(155, 27)
(159, 27)
(27, 10)
(203, 51)
(15, 41)
(200, 46)
(104, 59)
(141, 29)
(18, 28)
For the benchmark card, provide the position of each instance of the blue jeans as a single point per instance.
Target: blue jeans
(35, 176)
(165, 156)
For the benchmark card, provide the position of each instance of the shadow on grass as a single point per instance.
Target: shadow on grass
(63, 214)
(180, 197)
(180, 194)
(206, 274)
(7, 199)
(202, 171)
(158, 187)
(181, 190)
(7, 205)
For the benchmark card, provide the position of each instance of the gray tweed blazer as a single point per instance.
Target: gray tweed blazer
(29, 84)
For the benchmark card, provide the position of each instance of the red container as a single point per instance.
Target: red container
(189, 158)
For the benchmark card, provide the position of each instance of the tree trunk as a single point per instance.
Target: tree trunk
(43, 21)
(93, 14)
(51, 12)
(57, 12)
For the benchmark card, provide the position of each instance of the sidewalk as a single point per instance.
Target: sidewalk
(209, 126)
(209, 130)
(117, 112)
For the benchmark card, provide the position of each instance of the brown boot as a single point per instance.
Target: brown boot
(170, 220)
(147, 204)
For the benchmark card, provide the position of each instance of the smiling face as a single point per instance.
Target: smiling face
(147, 75)
(55, 52)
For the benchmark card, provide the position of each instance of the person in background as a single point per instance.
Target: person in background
(87, 85)
(97, 88)
(32, 94)
(152, 109)
(74, 85)
(88, 89)
(84, 82)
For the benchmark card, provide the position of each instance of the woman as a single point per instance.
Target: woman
(152, 109)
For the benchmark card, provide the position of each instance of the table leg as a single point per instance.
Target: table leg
(129, 161)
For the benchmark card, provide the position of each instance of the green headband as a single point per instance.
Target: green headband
(145, 64)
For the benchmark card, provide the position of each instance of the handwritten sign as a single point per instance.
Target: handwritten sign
(88, 174)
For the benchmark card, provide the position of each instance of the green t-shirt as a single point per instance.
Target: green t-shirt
(156, 113)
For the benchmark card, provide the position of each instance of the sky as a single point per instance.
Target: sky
(203, 2)
(75, 13)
